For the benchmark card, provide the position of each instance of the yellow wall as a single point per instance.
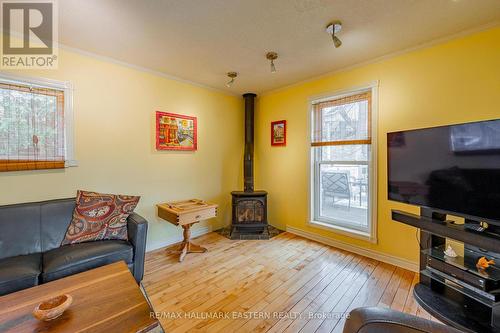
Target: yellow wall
(457, 81)
(114, 110)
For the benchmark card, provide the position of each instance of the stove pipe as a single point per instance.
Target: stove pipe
(249, 138)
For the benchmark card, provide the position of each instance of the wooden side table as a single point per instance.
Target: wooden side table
(185, 214)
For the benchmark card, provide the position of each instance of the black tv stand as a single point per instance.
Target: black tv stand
(473, 227)
(449, 298)
(434, 216)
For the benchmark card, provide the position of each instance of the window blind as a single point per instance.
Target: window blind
(342, 121)
(31, 128)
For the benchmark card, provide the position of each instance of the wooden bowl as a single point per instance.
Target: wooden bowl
(52, 308)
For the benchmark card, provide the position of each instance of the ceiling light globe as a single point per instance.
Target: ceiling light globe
(232, 76)
(273, 68)
(336, 42)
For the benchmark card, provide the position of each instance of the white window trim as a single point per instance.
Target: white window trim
(67, 87)
(370, 236)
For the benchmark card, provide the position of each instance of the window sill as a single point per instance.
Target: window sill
(71, 163)
(366, 236)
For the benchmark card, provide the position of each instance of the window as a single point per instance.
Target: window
(33, 126)
(341, 163)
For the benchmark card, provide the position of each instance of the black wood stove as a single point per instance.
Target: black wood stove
(249, 213)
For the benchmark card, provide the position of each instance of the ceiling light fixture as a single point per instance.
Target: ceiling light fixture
(334, 28)
(232, 76)
(272, 56)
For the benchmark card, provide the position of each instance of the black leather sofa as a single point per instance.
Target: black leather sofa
(30, 251)
(382, 320)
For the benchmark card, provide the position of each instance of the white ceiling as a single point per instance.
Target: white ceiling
(201, 40)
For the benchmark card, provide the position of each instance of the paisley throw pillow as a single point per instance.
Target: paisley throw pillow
(99, 216)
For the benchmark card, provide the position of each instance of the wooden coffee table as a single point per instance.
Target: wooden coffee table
(105, 299)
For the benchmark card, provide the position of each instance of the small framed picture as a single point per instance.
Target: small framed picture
(175, 132)
(278, 133)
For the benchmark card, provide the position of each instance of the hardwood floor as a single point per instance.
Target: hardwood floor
(286, 284)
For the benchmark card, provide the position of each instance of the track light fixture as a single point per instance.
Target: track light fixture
(334, 28)
(272, 56)
(232, 76)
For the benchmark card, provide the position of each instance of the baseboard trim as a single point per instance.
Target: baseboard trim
(199, 231)
(393, 260)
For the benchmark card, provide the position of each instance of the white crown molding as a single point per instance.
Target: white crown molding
(143, 69)
(387, 258)
(132, 66)
(388, 56)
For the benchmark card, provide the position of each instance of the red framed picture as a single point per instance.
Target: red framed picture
(175, 131)
(278, 133)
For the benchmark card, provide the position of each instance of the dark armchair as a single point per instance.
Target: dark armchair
(382, 320)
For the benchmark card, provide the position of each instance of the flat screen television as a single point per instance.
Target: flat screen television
(451, 169)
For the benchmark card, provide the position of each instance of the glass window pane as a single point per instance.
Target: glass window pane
(29, 125)
(345, 122)
(342, 171)
(343, 153)
(343, 195)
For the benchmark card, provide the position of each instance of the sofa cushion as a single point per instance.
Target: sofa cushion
(21, 272)
(19, 229)
(55, 216)
(99, 216)
(76, 258)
